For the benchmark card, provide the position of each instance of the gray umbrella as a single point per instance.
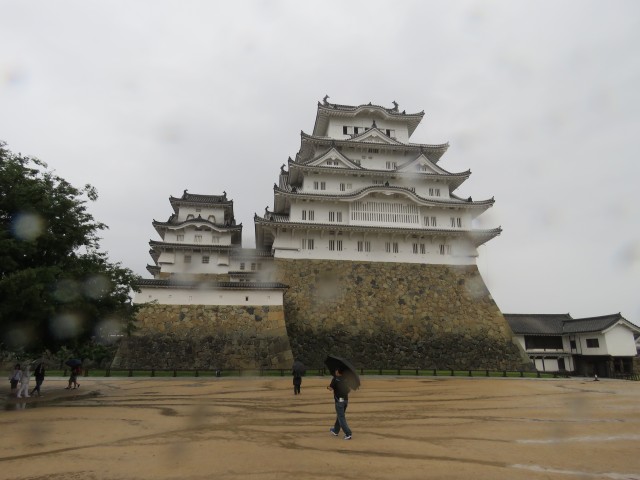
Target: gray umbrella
(349, 372)
(298, 368)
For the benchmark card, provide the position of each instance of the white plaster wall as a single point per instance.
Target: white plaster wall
(289, 245)
(218, 263)
(208, 236)
(620, 342)
(584, 350)
(333, 181)
(365, 121)
(177, 296)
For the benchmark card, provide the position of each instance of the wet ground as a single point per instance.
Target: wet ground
(255, 428)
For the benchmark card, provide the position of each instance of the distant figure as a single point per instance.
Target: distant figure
(297, 370)
(297, 381)
(15, 377)
(73, 378)
(38, 374)
(23, 389)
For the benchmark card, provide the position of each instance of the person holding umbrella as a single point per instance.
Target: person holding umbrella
(344, 380)
(75, 371)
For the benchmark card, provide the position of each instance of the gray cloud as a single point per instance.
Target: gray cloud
(538, 99)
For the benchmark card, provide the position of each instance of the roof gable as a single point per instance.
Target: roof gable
(423, 164)
(374, 135)
(334, 155)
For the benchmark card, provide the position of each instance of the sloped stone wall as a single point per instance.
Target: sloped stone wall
(395, 315)
(207, 337)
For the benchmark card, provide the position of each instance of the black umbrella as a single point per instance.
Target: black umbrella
(73, 362)
(349, 372)
(298, 368)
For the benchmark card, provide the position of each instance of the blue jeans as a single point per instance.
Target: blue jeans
(341, 420)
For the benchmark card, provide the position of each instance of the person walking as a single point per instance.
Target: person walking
(23, 389)
(73, 378)
(15, 377)
(297, 370)
(340, 389)
(297, 382)
(38, 374)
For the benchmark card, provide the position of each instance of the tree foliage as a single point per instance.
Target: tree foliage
(56, 286)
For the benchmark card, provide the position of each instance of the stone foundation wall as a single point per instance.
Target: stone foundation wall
(395, 315)
(207, 337)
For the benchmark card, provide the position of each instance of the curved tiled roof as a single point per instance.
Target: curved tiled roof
(436, 150)
(327, 109)
(190, 246)
(397, 171)
(193, 221)
(199, 198)
(164, 283)
(531, 324)
(479, 236)
(458, 202)
(562, 324)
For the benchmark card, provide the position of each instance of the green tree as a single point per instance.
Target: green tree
(56, 286)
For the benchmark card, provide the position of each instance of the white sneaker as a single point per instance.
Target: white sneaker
(333, 432)
(347, 437)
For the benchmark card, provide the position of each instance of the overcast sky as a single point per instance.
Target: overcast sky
(540, 99)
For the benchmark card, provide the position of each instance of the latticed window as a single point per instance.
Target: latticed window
(385, 212)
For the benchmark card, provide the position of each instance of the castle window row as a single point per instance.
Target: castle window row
(380, 212)
(198, 238)
(352, 130)
(365, 246)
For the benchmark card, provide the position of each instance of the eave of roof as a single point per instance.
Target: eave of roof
(478, 236)
(326, 110)
(385, 188)
(208, 285)
(436, 148)
(190, 246)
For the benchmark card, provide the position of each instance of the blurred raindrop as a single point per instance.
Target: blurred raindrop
(16, 337)
(96, 286)
(67, 291)
(65, 325)
(628, 256)
(108, 330)
(27, 226)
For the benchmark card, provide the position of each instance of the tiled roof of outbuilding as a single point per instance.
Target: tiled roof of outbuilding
(533, 324)
(562, 324)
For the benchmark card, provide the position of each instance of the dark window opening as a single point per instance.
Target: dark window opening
(593, 343)
(542, 343)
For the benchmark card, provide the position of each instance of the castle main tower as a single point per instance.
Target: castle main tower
(377, 249)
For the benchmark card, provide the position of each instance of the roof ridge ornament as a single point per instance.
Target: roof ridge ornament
(395, 106)
(373, 125)
(324, 100)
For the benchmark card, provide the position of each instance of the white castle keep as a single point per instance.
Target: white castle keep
(358, 194)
